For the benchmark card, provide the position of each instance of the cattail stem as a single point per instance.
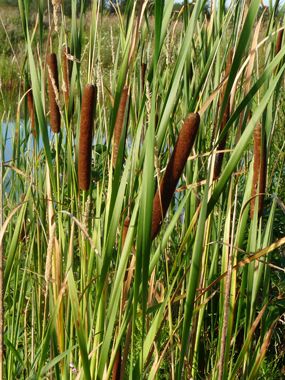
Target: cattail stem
(31, 110)
(219, 157)
(66, 69)
(143, 71)
(259, 171)
(53, 93)
(85, 138)
(173, 171)
(119, 124)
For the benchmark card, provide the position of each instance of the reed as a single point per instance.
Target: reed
(143, 72)
(85, 139)
(53, 90)
(173, 171)
(259, 171)
(219, 156)
(119, 123)
(66, 71)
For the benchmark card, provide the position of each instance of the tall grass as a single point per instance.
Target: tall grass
(92, 292)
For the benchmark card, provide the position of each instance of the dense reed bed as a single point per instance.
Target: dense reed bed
(143, 223)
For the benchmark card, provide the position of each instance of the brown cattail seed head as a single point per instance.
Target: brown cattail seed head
(66, 69)
(259, 171)
(85, 138)
(279, 41)
(31, 112)
(173, 171)
(119, 124)
(53, 93)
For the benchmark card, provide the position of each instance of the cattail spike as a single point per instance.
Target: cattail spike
(174, 171)
(85, 138)
(53, 93)
(279, 41)
(119, 124)
(31, 110)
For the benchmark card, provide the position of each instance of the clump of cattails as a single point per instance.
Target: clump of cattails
(66, 70)
(226, 115)
(31, 110)
(85, 138)
(119, 123)
(53, 93)
(279, 41)
(259, 171)
(174, 171)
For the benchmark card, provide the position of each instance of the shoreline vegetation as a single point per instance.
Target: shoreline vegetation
(142, 226)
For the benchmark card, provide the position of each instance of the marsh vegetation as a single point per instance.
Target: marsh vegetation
(142, 226)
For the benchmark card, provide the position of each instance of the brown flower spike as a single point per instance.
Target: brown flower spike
(85, 137)
(53, 92)
(119, 124)
(174, 171)
(31, 110)
(279, 41)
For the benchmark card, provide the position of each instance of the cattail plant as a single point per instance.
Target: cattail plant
(226, 115)
(53, 93)
(31, 110)
(173, 171)
(119, 123)
(85, 138)
(66, 70)
(259, 171)
(279, 41)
